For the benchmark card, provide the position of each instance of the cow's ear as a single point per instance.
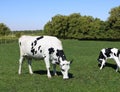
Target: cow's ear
(71, 61)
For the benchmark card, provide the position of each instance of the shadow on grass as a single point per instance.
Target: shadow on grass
(44, 72)
(114, 66)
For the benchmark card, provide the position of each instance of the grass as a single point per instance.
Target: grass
(85, 74)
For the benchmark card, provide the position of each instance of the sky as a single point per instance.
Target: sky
(34, 14)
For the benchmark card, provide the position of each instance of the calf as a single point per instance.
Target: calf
(48, 48)
(109, 53)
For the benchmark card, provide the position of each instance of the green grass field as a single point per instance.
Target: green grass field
(85, 75)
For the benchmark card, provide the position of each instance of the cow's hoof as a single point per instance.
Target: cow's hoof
(55, 74)
(49, 77)
(19, 73)
(65, 78)
(31, 73)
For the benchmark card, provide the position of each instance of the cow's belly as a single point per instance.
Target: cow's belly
(36, 56)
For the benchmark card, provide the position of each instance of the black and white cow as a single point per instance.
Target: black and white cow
(109, 53)
(48, 48)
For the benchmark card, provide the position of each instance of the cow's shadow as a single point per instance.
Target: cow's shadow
(44, 72)
(114, 66)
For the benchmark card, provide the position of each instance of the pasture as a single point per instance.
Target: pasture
(85, 75)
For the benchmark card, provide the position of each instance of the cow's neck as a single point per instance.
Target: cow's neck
(60, 54)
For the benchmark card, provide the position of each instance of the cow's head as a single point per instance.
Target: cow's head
(65, 66)
(101, 59)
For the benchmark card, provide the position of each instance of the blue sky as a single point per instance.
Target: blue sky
(34, 14)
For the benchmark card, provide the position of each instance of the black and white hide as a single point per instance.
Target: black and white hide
(48, 48)
(109, 53)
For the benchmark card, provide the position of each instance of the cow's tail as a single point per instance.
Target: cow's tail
(20, 46)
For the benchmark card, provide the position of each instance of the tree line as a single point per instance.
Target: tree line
(76, 26)
(85, 27)
(4, 30)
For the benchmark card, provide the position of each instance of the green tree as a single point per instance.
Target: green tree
(48, 29)
(74, 26)
(96, 28)
(57, 27)
(114, 19)
(113, 24)
(4, 30)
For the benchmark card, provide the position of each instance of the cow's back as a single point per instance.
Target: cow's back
(43, 40)
(27, 43)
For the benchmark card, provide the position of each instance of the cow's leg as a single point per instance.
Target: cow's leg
(29, 66)
(117, 62)
(54, 69)
(47, 62)
(103, 63)
(20, 64)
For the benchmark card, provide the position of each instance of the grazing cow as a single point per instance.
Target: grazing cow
(48, 48)
(109, 53)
